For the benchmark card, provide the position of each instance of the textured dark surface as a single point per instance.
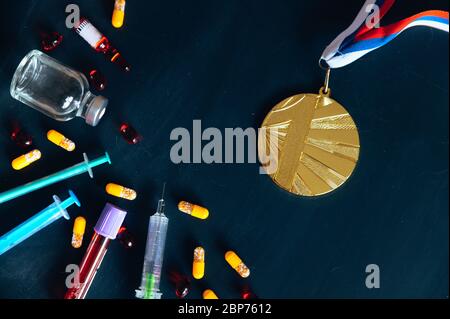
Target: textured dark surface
(227, 63)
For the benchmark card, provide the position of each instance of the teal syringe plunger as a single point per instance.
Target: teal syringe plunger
(42, 219)
(83, 167)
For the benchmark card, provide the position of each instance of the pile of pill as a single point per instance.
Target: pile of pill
(198, 265)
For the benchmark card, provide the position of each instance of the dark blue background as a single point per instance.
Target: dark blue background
(227, 63)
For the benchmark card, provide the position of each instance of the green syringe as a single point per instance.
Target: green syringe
(85, 166)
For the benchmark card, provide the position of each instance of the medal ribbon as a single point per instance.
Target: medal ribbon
(364, 36)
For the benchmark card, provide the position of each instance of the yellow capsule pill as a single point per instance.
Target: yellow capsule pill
(26, 159)
(57, 138)
(209, 294)
(118, 13)
(193, 210)
(79, 227)
(198, 266)
(237, 264)
(121, 191)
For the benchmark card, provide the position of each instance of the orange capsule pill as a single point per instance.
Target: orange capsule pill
(26, 159)
(121, 191)
(237, 264)
(118, 13)
(79, 226)
(198, 266)
(209, 294)
(57, 138)
(193, 210)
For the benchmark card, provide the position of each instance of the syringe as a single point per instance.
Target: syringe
(39, 221)
(154, 254)
(75, 170)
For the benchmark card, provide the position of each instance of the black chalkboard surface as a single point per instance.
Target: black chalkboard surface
(227, 63)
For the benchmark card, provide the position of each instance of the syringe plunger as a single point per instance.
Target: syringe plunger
(34, 224)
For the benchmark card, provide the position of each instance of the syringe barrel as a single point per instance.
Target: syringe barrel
(156, 240)
(154, 255)
(39, 221)
(53, 178)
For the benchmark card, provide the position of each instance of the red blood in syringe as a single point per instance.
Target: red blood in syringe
(106, 230)
(89, 265)
(100, 43)
(115, 57)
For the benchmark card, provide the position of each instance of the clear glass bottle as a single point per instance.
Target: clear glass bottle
(56, 90)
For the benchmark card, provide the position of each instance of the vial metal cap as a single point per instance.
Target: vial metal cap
(96, 110)
(110, 221)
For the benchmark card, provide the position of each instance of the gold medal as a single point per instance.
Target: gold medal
(315, 141)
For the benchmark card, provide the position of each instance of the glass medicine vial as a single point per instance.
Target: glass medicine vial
(56, 90)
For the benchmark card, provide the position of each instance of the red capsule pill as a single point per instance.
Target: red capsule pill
(50, 41)
(21, 138)
(182, 289)
(182, 284)
(130, 134)
(125, 237)
(97, 80)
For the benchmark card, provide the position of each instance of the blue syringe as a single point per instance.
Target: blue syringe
(85, 166)
(154, 254)
(42, 219)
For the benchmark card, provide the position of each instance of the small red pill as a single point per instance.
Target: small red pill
(125, 237)
(247, 294)
(21, 138)
(182, 287)
(181, 282)
(130, 134)
(50, 41)
(97, 80)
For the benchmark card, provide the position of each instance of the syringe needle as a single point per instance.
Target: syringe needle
(163, 191)
(161, 204)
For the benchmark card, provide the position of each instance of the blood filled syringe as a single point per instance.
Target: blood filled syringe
(106, 230)
(154, 254)
(100, 43)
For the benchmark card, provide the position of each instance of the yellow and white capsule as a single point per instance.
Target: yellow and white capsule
(57, 138)
(79, 226)
(193, 210)
(121, 191)
(198, 266)
(118, 14)
(209, 294)
(237, 264)
(26, 159)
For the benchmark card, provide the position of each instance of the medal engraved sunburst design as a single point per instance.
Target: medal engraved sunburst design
(316, 144)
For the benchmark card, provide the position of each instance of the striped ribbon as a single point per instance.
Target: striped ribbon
(364, 35)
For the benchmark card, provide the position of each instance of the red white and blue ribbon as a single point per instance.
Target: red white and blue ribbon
(364, 36)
